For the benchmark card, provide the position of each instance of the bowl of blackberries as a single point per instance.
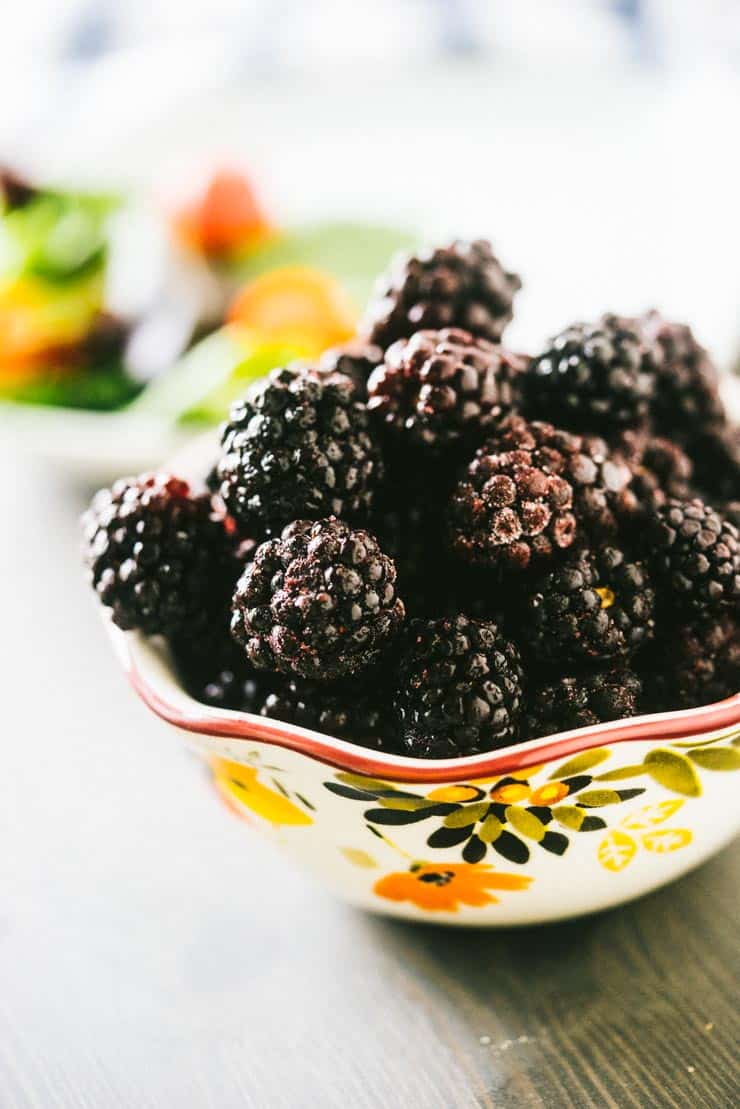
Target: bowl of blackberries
(443, 616)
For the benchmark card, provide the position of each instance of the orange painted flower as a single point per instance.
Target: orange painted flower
(445, 886)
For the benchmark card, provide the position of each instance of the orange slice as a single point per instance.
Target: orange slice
(296, 306)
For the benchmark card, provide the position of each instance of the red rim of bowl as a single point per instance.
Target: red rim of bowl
(192, 716)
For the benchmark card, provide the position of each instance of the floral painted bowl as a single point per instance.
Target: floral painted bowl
(548, 829)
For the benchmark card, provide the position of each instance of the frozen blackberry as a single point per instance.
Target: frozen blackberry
(694, 664)
(157, 556)
(355, 360)
(716, 456)
(439, 387)
(459, 688)
(596, 606)
(298, 448)
(660, 469)
(460, 285)
(509, 512)
(218, 675)
(350, 709)
(581, 701)
(598, 476)
(319, 601)
(409, 533)
(695, 555)
(686, 396)
(592, 377)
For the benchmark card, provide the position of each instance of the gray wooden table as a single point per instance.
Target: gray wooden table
(155, 954)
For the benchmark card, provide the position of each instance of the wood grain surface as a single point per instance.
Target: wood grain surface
(156, 954)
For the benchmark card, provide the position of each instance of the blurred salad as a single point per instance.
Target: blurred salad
(108, 303)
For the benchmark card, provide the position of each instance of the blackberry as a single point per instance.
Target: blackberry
(581, 701)
(409, 533)
(355, 360)
(459, 689)
(300, 447)
(460, 285)
(509, 512)
(156, 555)
(716, 456)
(319, 601)
(442, 386)
(593, 377)
(660, 469)
(595, 606)
(598, 476)
(686, 396)
(695, 664)
(348, 709)
(695, 555)
(219, 676)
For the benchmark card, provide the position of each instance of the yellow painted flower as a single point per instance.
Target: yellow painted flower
(446, 886)
(239, 783)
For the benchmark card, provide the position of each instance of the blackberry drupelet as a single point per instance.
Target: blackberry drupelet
(355, 360)
(319, 601)
(299, 448)
(509, 512)
(459, 688)
(686, 398)
(157, 556)
(439, 387)
(695, 555)
(731, 512)
(592, 377)
(460, 285)
(596, 606)
(581, 701)
(694, 664)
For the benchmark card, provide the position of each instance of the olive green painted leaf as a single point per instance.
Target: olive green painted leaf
(651, 815)
(469, 814)
(526, 823)
(360, 782)
(595, 798)
(673, 772)
(582, 762)
(569, 816)
(716, 758)
(666, 839)
(616, 850)
(358, 858)
(490, 829)
(621, 773)
(406, 804)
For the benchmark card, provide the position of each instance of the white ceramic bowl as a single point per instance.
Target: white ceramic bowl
(548, 829)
